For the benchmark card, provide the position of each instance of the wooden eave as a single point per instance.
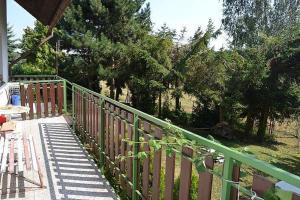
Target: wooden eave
(46, 11)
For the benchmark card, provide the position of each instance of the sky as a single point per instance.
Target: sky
(175, 13)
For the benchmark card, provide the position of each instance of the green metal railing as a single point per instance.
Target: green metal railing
(230, 156)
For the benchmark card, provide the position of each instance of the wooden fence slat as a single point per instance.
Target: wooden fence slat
(117, 132)
(156, 167)
(52, 98)
(205, 180)
(60, 98)
(30, 99)
(261, 185)
(23, 99)
(146, 163)
(295, 197)
(236, 178)
(185, 174)
(170, 171)
(123, 148)
(111, 135)
(38, 99)
(45, 97)
(129, 148)
(106, 130)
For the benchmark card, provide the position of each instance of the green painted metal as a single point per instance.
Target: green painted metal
(73, 109)
(135, 154)
(65, 95)
(227, 177)
(101, 131)
(233, 154)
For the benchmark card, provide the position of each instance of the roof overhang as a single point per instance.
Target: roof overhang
(46, 11)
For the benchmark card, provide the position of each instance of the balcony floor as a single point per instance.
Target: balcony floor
(69, 172)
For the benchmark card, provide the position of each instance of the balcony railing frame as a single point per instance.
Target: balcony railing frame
(230, 155)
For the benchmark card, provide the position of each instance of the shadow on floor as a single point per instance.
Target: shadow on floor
(71, 173)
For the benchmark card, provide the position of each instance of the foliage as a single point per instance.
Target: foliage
(42, 58)
(12, 44)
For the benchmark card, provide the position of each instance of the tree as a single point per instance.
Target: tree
(246, 20)
(97, 34)
(12, 44)
(264, 33)
(41, 60)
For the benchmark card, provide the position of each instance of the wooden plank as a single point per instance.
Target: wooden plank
(33, 154)
(38, 99)
(117, 132)
(146, 163)
(170, 171)
(23, 99)
(295, 197)
(111, 135)
(234, 195)
(185, 174)
(205, 180)
(261, 185)
(156, 167)
(52, 98)
(129, 148)
(4, 158)
(106, 130)
(11, 166)
(45, 97)
(26, 153)
(20, 155)
(38, 164)
(30, 99)
(59, 97)
(123, 144)
(1, 148)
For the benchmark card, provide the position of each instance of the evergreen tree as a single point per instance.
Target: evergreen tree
(12, 44)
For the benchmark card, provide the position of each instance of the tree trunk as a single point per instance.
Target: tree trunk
(112, 89)
(159, 104)
(262, 126)
(118, 92)
(177, 98)
(249, 124)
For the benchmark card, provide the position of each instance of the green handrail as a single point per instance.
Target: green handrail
(230, 155)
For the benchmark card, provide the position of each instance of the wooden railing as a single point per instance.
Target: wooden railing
(16, 78)
(45, 98)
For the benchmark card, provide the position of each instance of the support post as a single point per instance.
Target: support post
(65, 96)
(135, 154)
(73, 109)
(227, 177)
(101, 132)
(3, 42)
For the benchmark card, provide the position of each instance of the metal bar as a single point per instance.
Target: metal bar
(73, 109)
(243, 158)
(65, 95)
(227, 177)
(135, 153)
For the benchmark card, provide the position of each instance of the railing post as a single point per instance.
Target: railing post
(101, 132)
(227, 177)
(73, 109)
(135, 154)
(65, 95)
